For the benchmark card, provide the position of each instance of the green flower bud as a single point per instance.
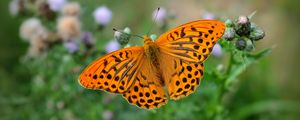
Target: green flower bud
(153, 37)
(249, 45)
(229, 23)
(123, 37)
(257, 33)
(240, 44)
(229, 33)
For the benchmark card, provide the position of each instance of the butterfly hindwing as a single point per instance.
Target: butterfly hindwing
(114, 72)
(147, 90)
(185, 79)
(192, 42)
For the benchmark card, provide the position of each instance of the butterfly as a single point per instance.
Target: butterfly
(169, 68)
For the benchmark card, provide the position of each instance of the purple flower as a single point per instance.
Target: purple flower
(14, 7)
(87, 39)
(113, 45)
(72, 46)
(56, 5)
(102, 15)
(160, 16)
(217, 50)
(208, 15)
(108, 115)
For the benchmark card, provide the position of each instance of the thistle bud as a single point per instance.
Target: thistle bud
(123, 38)
(249, 45)
(229, 33)
(229, 23)
(153, 37)
(240, 44)
(257, 33)
(243, 26)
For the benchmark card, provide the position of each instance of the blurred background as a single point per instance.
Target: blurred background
(35, 84)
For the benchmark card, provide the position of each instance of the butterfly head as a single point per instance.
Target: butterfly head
(147, 40)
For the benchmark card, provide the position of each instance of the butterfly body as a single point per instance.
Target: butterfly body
(172, 65)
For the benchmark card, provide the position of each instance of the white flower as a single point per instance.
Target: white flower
(69, 27)
(31, 28)
(71, 9)
(208, 15)
(102, 15)
(217, 50)
(113, 45)
(56, 5)
(159, 16)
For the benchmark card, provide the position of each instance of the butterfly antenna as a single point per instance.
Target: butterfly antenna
(155, 18)
(127, 33)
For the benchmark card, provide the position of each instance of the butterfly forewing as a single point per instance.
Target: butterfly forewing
(192, 42)
(114, 72)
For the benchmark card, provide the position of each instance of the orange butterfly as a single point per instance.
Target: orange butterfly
(172, 64)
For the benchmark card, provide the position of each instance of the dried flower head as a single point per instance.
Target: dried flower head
(71, 9)
(102, 15)
(69, 27)
(31, 28)
(56, 5)
(37, 46)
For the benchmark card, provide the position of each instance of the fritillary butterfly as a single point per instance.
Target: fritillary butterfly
(172, 65)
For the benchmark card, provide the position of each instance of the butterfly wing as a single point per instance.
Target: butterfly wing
(192, 42)
(147, 90)
(128, 72)
(183, 51)
(114, 72)
(182, 78)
